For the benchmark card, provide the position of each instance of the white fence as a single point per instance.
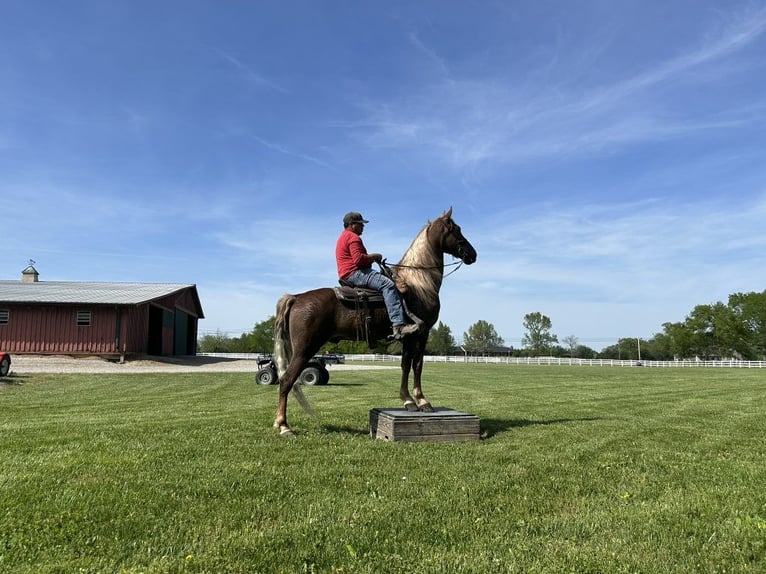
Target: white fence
(564, 361)
(554, 361)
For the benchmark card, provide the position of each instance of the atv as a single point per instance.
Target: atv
(315, 373)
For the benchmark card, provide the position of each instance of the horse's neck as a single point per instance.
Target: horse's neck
(422, 267)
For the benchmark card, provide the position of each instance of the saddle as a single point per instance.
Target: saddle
(363, 300)
(348, 293)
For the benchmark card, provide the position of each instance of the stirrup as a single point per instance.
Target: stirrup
(402, 331)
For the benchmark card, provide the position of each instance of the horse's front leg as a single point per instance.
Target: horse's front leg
(404, 392)
(423, 404)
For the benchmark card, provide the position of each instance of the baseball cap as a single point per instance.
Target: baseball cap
(353, 217)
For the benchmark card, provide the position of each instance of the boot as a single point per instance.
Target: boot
(401, 331)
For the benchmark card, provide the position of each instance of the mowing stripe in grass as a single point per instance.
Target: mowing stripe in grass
(580, 470)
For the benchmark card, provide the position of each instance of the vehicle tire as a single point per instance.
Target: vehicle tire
(325, 376)
(5, 366)
(311, 375)
(266, 376)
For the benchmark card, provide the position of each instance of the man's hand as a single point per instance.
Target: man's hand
(376, 257)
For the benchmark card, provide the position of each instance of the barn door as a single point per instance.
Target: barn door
(181, 335)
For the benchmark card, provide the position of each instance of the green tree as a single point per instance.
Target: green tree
(481, 338)
(714, 332)
(440, 340)
(347, 347)
(585, 352)
(214, 343)
(750, 312)
(570, 341)
(679, 340)
(658, 348)
(538, 337)
(626, 349)
(241, 344)
(261, 340)
(718, 330)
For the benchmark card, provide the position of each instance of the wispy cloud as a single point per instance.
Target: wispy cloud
(285, 151)
(649, 249)
(737, 35)
(250, 75)
(469, 122)
(608, 171)
(439, 64)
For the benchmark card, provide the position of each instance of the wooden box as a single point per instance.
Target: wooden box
(442, 425)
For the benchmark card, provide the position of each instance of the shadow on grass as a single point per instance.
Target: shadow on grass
(12, 379)
(331, 384)
(491, 427)
(354, 431)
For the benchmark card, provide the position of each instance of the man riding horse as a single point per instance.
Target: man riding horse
(355, 268)
(305, 321)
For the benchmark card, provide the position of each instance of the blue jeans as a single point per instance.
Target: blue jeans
(374, 280)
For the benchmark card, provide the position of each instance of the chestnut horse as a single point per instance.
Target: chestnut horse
(307, 321)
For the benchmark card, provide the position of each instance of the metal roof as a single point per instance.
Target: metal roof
(87, 293)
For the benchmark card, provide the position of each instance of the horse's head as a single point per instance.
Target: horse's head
(453, 240)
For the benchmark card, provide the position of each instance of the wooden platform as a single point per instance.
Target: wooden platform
(442, 425)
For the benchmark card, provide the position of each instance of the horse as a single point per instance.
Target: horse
(306, 321)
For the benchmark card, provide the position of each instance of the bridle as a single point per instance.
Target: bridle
(461, 253)
(461, 241)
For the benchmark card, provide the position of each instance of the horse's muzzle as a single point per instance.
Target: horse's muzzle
(467, 253)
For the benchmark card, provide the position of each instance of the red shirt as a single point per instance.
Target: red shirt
(350, 254)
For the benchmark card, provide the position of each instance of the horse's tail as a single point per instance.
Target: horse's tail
(283, 347)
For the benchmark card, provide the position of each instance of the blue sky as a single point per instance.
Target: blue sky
(606, 159)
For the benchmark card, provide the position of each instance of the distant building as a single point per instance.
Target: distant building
(81, 318)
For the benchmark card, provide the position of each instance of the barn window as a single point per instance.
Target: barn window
(4, 315)
(83, 318)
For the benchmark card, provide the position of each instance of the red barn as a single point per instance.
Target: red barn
(72, 318)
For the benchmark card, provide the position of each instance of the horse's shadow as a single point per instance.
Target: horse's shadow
(344, 384)
(491, 427)
(353, 431)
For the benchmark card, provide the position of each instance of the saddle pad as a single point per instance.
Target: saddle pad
(345, 293)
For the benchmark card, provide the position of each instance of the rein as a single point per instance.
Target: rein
(425, 267)
(386, 268)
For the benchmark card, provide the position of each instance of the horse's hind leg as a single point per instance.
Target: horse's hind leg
(285, 386)
(301, 356)
(294, 368)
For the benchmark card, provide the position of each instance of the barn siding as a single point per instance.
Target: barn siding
(42, 328)
(54, 329)
(135, 329)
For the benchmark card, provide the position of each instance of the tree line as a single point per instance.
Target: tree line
(735, 329)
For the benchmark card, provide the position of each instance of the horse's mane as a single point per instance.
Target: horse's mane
(422, 267)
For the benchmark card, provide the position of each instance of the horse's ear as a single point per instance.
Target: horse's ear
(447, 214)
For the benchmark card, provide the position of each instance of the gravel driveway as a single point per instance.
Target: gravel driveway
(65, 364)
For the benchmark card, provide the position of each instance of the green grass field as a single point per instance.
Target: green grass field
(581, 469)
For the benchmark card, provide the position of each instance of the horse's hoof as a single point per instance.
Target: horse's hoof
(286, 431)
(426, 408)
(411, 406)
